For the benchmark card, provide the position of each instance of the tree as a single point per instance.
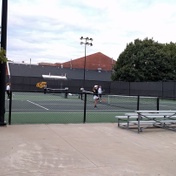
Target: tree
(146, 60)
(3, 58)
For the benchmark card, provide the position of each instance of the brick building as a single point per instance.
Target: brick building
(96, 61)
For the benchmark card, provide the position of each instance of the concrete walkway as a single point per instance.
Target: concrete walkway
(86, 150)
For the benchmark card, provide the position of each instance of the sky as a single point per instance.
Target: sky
(50, 30)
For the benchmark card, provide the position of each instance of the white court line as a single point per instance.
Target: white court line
(37, 105)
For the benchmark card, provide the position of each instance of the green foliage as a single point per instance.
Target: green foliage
(146, 60)
(3, 58)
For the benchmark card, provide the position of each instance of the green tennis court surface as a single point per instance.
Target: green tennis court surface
(55, 108)
(35, 107)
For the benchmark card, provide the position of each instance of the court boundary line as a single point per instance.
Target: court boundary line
(37, 105)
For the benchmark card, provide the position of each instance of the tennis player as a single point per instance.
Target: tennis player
(8, 91)
(100, 91)
(95, 95)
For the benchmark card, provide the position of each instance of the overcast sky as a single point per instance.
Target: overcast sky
(50, 30)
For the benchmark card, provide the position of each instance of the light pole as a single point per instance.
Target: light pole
(87, 41)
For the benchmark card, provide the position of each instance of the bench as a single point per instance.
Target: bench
(145, 119)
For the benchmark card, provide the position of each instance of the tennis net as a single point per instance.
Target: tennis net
(133, 102)
(58, 92)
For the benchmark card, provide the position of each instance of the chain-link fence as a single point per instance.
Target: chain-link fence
(156, 89)
(67, 107)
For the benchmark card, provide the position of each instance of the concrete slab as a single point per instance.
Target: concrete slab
(85, 150)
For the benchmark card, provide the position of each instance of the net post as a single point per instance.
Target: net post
(66, 92)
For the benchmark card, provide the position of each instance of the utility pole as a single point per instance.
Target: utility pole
(3, 64)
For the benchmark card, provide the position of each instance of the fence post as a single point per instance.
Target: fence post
(157, 103)
(138, 102)
(85, 105)
(10, 107)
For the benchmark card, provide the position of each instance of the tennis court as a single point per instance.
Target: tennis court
(36, 107)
